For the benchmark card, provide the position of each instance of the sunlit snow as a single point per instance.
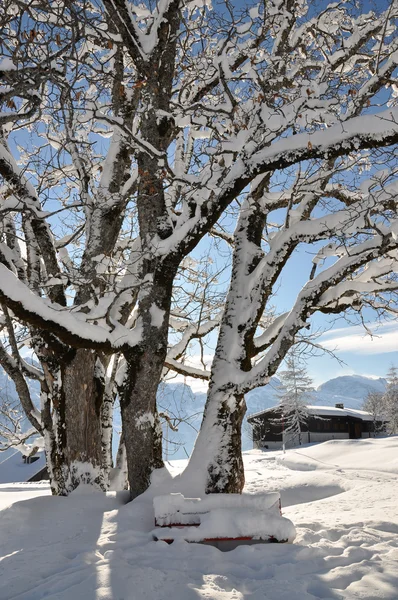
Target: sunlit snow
(341, 496)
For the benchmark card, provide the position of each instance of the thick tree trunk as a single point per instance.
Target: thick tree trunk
(141, 427)
(83, 389)
(71, 403)
(53, 419)
(52, 412)
(218, 449)
(107, 433)
(121, 465)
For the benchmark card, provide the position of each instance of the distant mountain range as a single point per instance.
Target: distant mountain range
(351, 390)
(180, 403)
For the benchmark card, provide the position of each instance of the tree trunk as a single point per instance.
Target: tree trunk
(71, 401)
(141, 426)
(218, 449)
(121, 465)
(53, 419)
(83, 390)
(107, 434)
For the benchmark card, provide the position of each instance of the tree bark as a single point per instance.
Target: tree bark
(141, 427)
(218, 450)
(107, 433)
(143, 434)
(71, 401)
(53, 419)
(83, 389)
(121, 465)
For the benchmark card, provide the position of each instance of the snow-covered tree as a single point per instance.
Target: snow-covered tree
(375, 404)
(385, 406)
(391, 400)
(294, 395)
(127, 130)
(352, 269)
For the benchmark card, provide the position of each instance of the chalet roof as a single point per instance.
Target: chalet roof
(14, 469)
(325, 411)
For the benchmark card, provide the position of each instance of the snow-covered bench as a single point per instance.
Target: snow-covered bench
(222, 520)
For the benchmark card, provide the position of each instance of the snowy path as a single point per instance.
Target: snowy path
(90, 546)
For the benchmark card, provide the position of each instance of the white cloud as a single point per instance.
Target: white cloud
(355, 339)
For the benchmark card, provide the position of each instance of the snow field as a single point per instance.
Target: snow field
(341, 496)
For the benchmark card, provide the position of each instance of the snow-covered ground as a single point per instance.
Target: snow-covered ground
(341, 495)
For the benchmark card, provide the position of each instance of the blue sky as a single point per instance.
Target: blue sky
(362, 354)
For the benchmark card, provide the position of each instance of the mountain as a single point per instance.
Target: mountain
(263, 397)
(7, 387)
(185, 411)
(351, 390)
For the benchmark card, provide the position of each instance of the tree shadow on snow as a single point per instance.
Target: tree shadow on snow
(49, 546)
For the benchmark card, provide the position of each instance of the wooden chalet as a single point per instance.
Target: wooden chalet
(324, 423)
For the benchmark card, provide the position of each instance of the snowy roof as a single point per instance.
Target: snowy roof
(13, 469)
(333, 411)
(326, 411)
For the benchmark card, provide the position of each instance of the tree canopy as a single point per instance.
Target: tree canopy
(127, 131)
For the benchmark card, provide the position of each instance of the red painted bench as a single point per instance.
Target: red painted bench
(222, 520)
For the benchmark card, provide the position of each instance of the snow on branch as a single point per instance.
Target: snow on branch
(376, 131)
(186, 370)
(328, 284)
(62, 322)
(380, 130)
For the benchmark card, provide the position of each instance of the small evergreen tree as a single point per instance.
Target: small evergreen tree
(375, 404)
(294, 393)
(391, 400)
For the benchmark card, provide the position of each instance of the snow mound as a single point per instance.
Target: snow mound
(174, 508)
(232, 523)
(369, 454)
